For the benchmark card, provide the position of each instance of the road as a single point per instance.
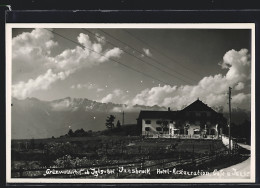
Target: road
(238, 171)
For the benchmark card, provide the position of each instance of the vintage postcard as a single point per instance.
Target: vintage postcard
(130, 103)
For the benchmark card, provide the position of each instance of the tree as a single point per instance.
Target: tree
(71, 133)
(90, 133)
(110, 122)
(164, 124)
(118, 124)
(79, 132)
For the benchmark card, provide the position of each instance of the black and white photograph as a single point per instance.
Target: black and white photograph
(141, 103)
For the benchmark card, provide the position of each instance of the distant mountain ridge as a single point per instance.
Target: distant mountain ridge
(34, 118)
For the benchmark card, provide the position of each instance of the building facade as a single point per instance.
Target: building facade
(195, 121)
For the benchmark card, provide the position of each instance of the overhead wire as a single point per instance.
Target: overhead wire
(118, 62)
(82, 46)
(162, 53)
(147, 56)
(151, 58)
(156, 67)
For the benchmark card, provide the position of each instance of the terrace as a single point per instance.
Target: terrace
(179, 136)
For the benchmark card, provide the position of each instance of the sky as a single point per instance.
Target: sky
(164, 67)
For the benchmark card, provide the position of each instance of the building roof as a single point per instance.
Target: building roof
(198, 105)
(157, 114)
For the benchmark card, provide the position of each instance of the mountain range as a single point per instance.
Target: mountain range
(34, 118)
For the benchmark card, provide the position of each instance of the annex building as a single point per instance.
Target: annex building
(197, 120)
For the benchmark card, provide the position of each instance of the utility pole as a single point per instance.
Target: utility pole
(229, 104)
(123, 120)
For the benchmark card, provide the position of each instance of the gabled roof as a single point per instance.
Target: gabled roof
(198, 105)
(157, 114)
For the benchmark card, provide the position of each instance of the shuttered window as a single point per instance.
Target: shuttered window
(147, 121)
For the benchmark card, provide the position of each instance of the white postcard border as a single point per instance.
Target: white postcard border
(10, 26)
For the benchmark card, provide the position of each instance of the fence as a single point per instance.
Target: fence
(233, 142)
(180, 136)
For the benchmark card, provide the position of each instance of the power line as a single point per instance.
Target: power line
(156, 67)
(142, 53)
(147, 75)
(159, 51)
(165, 66)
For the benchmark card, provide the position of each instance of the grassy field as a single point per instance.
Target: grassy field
(102, 151)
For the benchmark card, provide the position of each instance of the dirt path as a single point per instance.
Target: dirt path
(238, 171)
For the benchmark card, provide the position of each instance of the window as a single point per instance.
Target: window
(158, 122)
(158, 129)
(196, 131)
(166, 129)
(147, 121)
(147, 128)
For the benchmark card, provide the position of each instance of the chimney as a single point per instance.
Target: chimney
(169, 109)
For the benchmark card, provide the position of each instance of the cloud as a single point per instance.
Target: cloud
(147, 52)
(92, 55)
(115, 52)
(240, 97)
(211, 89)
(118, 92)
(100, 89)
(237, 62)
(126, 108)
(116, 95)
(154, 95)
(39, 41)
(240, 86)
(107, 98)
(61, 105)
(23, 89)
(31, 58)
(30, 51)
(100, 38)
(88, 86)
(79, 86)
